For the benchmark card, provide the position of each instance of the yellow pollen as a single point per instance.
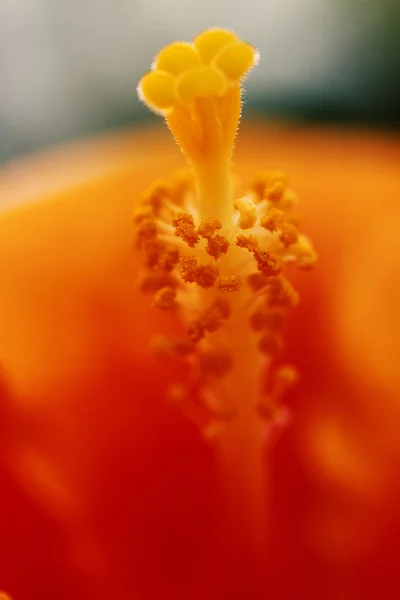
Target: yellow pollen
(229, 283)
(268, 264)
(208, 227)
(216, 246)
(289, 235)
(213, 258)
(273, 220)
(249, 242)
(206, 275)
(188, 269)
(191, 272)
(248, 213)
(185, 228)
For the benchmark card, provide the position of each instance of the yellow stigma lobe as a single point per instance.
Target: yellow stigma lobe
(215, 260)
(208, 43)
(197, 88)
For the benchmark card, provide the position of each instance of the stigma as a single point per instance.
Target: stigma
(215, 259)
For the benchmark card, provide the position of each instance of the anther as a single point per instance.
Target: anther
(142, 213)
(145, 231)
(188, 268)
(165, 298)
(268, 343)
(248, 242)
(215, 363)
(267, 263)
(208, 227)
(289, 235)
(154, 281)
(273, 219)
(257, 281)
(195, 331)
(281, 293)
(206, 275)
(184, 226)
(247, 211)
(211, 319)
(267, 319)
(217, 246)
(168, 260)
(166, 345)
(229, 283)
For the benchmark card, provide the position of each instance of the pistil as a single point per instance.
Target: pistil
(218, 263)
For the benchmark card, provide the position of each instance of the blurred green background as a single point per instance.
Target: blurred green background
(70, 67)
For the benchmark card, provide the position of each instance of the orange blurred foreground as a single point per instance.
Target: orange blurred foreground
(108, 490)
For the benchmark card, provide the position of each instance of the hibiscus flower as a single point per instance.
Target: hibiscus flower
(170, 427)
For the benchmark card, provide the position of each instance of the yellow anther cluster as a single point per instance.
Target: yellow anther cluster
(202, 243)
(215, 61)
(176, 244)
(184, 226)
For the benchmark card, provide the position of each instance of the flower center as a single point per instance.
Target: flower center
(217, 260)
